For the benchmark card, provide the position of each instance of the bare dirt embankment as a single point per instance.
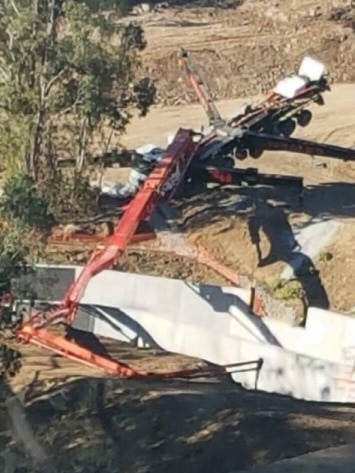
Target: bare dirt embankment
(95, 425)
(244, 49)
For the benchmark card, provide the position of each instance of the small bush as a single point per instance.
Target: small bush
(21, 201)
(69, 195)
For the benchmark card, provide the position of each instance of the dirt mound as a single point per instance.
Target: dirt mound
(245, 50)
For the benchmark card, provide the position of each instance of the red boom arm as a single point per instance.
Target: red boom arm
(170, 170)
(162, 182)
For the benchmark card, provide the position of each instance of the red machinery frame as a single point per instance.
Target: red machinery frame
(272, 102)
(161, 183)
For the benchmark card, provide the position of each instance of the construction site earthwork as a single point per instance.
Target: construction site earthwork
(207, 323)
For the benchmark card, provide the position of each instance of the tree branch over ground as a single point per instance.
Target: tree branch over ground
(69, 76)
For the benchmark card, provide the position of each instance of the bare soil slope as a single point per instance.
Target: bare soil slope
(245, 46)
(93, 425)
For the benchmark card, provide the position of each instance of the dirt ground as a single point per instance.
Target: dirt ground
(243, 49)
(87, 424)
(124, 427)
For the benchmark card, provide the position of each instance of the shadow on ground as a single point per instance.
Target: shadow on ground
(332, 199)
(222, 4)
(267, 210)
(101, 426)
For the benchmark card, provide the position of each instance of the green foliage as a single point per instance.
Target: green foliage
(69, 82)
(13, 252)
(24, 215)
(22, 212)
(14, 143)
(285, 290)
(22, 202)
(68, 75)
(325, 256)
(121, 7)
(70, 196)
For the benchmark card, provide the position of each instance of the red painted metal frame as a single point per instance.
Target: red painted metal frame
(272, 101)
(176, 159)
(170, 169)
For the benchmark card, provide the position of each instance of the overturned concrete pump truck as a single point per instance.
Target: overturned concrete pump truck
(191, 156)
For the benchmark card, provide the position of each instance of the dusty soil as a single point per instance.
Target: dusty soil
(90, 425)
(244, 48)
(141, 428)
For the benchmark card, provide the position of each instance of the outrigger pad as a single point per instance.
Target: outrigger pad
(290, 87)
(312, 69)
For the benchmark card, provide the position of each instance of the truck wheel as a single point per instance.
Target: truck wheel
(255, 153)
(287, 127)
(304, 118)
(241, 154)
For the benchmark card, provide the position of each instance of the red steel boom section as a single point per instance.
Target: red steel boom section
(161, 183)
(201, 90)
(172, 167)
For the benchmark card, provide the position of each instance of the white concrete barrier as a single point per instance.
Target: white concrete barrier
(330, 460)
(213, 323)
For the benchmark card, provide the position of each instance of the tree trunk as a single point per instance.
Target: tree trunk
(37, 142)
(20, 427)
(82, 145)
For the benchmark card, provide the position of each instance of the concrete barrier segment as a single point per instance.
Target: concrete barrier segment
(214, 324)
(330, 460)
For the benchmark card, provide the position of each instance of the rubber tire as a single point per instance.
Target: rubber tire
(304, 118)
(287, 127)
(255, 153)
(241, 154)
